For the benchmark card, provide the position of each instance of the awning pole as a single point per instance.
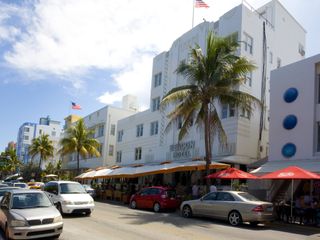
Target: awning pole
(291, 198)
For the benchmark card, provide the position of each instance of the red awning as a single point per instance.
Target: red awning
(291, 172)
(232, 173)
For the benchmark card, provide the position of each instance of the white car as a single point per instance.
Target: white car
(70, 197)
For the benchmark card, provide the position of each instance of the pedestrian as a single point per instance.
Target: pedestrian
(195, 191)
(213, 188)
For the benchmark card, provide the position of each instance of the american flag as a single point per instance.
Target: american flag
(75, 106)
(201, 4)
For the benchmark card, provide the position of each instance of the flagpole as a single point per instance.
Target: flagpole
(192, 12)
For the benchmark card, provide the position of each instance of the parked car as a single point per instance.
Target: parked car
(29, 214)
(155, 198)
(3, 190)
(235, 207)
(35, 185)
(70, 197)
(89, 190)
(20, 185)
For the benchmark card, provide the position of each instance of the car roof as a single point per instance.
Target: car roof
(21, 190)
(8, 188)
(62, 182)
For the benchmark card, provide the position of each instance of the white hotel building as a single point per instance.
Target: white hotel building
(142, 139)
(103, 123)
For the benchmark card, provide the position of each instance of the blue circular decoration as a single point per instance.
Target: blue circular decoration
(289, 150)
(290, 95)
(290, 122)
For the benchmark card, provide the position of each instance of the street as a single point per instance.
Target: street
(110, 221)
(113, 221)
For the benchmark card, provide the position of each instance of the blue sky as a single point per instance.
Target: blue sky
(93, 52)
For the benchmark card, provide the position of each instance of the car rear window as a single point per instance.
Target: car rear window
(248, 196)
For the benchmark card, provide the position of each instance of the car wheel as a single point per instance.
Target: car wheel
(133, 204)
(88, 214)
(186, 211)
(235, 218)
(59, 208)
(156, 207)
(6, 232)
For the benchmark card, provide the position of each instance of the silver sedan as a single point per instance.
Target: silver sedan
(29, 214)
(235, 207)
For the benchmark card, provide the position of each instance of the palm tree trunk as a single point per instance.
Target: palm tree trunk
(78, 163)
(207, 141)
(40, 162)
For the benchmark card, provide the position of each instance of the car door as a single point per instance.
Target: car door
(207, 205)
(224, 204)
(141, 198)
(152, 197)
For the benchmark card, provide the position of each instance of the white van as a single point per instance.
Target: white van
(70, 197)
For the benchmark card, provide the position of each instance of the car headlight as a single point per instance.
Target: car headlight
(18, 223)
(67, 203)
(57, 219)
(91, 202)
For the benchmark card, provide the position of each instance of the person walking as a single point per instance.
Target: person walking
(213, 188)
(195, 191)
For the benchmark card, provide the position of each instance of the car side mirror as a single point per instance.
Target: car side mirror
(55, 192)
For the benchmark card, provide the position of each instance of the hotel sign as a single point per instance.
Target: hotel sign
(182, 150)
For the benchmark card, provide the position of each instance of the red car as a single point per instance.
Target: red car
(156, 198)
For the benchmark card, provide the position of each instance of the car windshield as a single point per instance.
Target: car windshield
(248, 196)
(87, 187)
(21, 185)
(30, 200)
(71, 188)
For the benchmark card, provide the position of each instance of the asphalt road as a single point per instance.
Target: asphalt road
(112, 221)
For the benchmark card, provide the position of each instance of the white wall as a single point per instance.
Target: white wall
(302, 76)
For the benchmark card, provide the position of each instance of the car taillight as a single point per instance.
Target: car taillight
(258, 209)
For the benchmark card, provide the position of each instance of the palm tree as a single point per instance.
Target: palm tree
(9, 161)
(43, 146)
(214, 79)
(78, 141)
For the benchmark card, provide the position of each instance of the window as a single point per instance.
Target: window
(278, 62)
(120, 135)
(53, 133)
(249, 79)
(232, 110)
(26, 129)
(111, 148)
(40, 131)
(318, 82)
(100, 131)
(139, 130)
(155, 104)
(138, 152)
(154, 128)
(26, 137)
(119, 156)
(157, 79)
(100, 148)
(270, 57)
(224, 196)
(248, 43)
(113, 129)
(244, 113)
(228, 111)
(224, 111)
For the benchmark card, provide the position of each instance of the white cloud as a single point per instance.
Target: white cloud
(67, 38)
